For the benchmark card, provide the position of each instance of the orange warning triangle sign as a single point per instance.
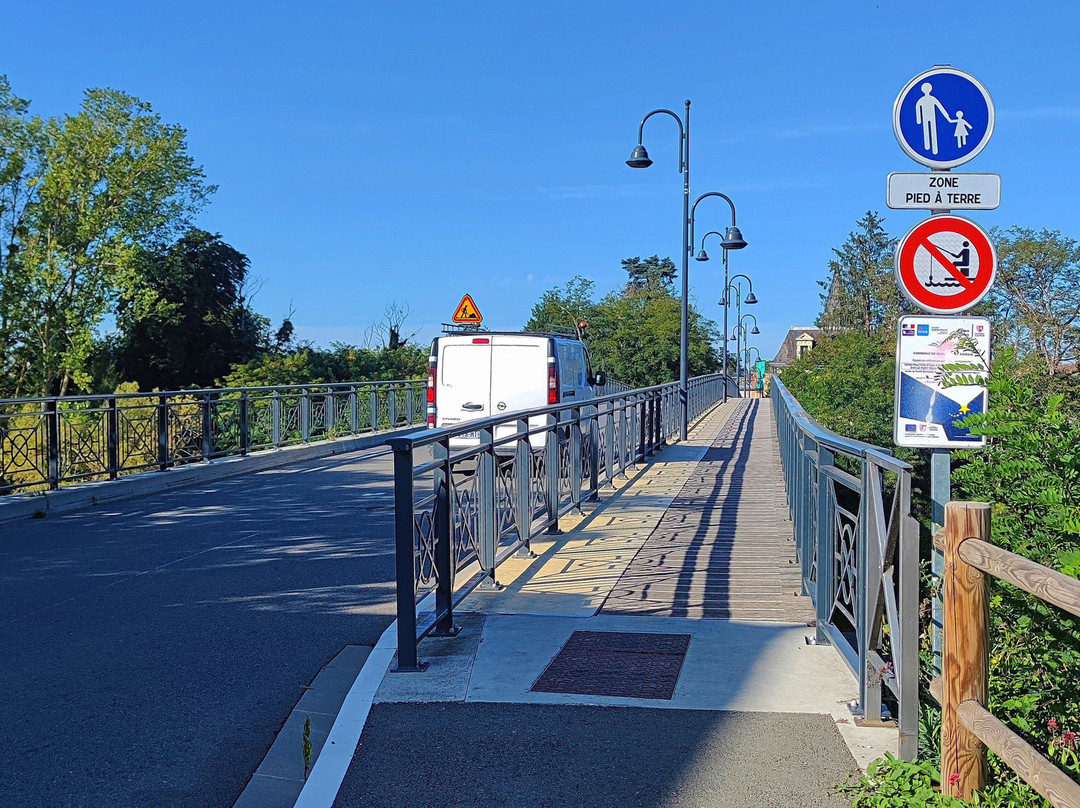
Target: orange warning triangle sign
(467, 312)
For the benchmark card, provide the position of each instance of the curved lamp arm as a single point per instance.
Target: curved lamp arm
(682, 133)
(693, 208)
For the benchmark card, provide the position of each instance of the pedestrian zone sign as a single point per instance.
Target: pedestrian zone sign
(467, 312)
(943, 117)
(945, 264)
(940, 379)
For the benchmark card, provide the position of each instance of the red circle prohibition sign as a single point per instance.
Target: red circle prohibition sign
(945, 264)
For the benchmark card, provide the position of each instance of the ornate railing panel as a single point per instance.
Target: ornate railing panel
(49, 442)
(858, 547)
(461, 509)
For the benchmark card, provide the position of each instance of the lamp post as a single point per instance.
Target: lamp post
(725, 301)
(747, 351)
(742, 330)
(640, 159)
(733, 240)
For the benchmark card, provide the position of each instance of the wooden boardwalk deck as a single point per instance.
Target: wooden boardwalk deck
(724, 548)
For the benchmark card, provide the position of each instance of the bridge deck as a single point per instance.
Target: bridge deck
(678, 593)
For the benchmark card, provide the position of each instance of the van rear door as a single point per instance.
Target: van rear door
(464, 380)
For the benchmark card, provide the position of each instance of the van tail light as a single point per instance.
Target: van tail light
(553, 382)
(431, 374)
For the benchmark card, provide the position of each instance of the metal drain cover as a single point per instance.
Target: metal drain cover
(614, 663)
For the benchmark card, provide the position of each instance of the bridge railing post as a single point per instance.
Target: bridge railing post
(405, 555)
(52, 439)
(275, 419)
(523, 507)
(354, 412)
(163, 432)
(825, 544)
(373, 402)
(552, 461)
(444, 539)
(305, 415)
(245, 428)
(609, 444)
(594, 455)
(576, 458)
(112, 417)
(391, 405)
(486, 469)
(207, 428)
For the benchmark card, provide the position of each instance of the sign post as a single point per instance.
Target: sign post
(946, 264)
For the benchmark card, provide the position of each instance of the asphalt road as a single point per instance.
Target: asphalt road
(461, 755)
(152, 649)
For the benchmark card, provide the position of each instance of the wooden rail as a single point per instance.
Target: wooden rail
(967, 727)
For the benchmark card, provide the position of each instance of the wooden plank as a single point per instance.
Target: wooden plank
(935, 689)
(939, 539)
(1043, 582)
(965, 661)
(1040, 773)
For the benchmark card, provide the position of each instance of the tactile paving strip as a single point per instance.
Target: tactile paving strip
(612, 663)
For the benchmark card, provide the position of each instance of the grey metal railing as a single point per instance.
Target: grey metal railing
(47, 442)
(462, 509)
(858, 547)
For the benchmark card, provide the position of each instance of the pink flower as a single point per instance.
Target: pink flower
(954, 779)
(1051, 725)
(1068, 739)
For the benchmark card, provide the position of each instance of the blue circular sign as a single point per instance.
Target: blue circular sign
(943, 117)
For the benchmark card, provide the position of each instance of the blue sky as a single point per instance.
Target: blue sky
(369, 153)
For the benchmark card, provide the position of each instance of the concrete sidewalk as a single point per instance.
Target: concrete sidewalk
(653, 655)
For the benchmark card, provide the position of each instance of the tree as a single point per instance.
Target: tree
(101, 186)
(634, 332)
(184, 319)
(1037, 293)
(561, 309)
(654, 274)
(861, 292)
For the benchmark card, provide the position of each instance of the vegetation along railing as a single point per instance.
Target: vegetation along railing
(858, 547)
(966, 724)
(46, 442)
(469, 497)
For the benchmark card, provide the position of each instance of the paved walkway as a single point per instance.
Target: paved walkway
(653, 655)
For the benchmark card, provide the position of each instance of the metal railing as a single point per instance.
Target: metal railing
(469, 497)
(858, 547)
(47, 442)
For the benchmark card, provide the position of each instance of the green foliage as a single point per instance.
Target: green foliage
(1030, 471)
(861, 292)
(892, 782)
(634, 332)
(845, 384)
(342, 363)
(84, 195)
(183, 320)
(1037, 294)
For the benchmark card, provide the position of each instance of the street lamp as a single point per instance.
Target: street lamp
(725, 301)
(741, 329)
(733, 240)
(640, 159)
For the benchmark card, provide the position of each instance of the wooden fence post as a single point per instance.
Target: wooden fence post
(965, 662)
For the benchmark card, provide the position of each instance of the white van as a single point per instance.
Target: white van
(479, 374)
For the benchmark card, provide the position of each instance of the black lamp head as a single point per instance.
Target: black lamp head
(702, 255)
(750, 299)
(733, 239)
(640, 158)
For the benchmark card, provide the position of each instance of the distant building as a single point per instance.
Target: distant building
(799, 341)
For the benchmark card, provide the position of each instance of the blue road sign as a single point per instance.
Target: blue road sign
(943, 117)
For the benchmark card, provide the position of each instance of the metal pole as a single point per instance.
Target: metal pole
(684, 361)
(727, 302)
(940, 494)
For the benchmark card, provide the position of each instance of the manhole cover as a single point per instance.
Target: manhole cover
(613, 663)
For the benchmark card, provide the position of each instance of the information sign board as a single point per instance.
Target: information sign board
(928, 402)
